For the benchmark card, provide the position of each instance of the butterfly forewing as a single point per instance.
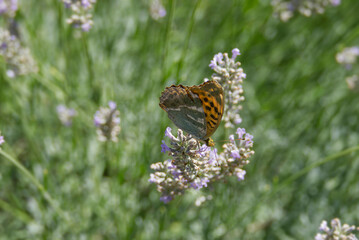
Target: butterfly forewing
(184, 109)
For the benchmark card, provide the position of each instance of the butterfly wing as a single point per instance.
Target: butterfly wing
(185, 109)
(211, 95)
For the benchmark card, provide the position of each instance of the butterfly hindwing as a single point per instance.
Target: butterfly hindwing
(185, 109)
(211, 96)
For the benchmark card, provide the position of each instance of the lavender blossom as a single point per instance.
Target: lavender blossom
(157, 10)
(8, 8)
(336, 232)
(65, 114)
(81, 16)
(18, 59)
(107, 121)
(230, 75)
(285, 9)
(348, 56)
(195, 166)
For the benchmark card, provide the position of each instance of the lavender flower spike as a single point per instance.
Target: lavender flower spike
(337, 231)
(230, 75)
(18, 59)
(81, 13)
(285, 9)
(195, 166)
(65, 114)
(107, 121)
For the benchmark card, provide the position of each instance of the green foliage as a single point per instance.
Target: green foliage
(297, 106)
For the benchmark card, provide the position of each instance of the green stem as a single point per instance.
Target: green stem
(167, 36)
(32, 178)
(16, 212)
(188, 37)
(89, 64)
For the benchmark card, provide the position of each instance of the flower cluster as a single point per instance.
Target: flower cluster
(230, 75)
(81, 13)
(8, 8)
(337, 231)
(194, 166)
(285, 9)
(348, 57)
(18, 59)
(107, 121)
(65, 114)
(157, 10)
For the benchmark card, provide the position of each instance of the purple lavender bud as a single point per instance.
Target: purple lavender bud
(241, 174)
(168, 133)
(335, 2)
(86, 27)
(85, 3)
(213, 156)
(240, 132)
(112, 105)
(166, 199)
(235, 53)
(235, 154)
(164, 147)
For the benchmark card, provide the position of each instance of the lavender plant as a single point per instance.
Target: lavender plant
(18, 59)
(81, 13)
(107, 121)
(336, 232)
(65, 114)
(285, 9)
(194, 166)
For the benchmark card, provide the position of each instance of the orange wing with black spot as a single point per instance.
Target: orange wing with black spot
(211, 95)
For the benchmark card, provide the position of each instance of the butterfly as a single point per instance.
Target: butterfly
(196, 110)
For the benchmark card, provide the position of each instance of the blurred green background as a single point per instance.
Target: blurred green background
(297, 106)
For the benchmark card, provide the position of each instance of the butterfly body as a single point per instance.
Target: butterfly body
(197, 109)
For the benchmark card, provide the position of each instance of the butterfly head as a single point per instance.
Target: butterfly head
(209, 142)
